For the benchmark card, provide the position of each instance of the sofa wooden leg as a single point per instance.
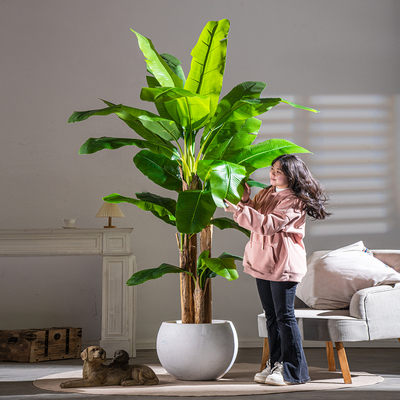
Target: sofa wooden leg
(344, 366)
(330, 356)
(265, 354)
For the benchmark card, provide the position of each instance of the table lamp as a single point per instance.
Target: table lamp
(110, 210)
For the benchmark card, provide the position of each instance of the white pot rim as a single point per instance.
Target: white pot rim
(214, 321)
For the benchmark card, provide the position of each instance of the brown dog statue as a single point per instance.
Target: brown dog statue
(97, 374)
(121, 359)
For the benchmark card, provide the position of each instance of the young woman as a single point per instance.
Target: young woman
(276, 257)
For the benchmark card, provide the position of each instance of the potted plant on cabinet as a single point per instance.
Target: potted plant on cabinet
(201, 178)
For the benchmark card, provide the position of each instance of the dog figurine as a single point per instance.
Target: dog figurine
(96, 374)
(121, 359)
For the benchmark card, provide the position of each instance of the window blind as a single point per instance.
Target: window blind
(353, 144)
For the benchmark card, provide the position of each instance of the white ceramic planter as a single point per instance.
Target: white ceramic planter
(197, 352)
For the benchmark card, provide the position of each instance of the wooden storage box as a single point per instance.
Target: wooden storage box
(32, 345)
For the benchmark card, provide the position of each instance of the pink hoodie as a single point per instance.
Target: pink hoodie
(275, 251)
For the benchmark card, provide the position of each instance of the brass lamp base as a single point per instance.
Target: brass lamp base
(109, 223)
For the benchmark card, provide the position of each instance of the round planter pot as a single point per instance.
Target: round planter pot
(197, 352)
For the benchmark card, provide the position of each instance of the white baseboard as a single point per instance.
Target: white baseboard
(258, 342)
(146, 344)
(88, 343)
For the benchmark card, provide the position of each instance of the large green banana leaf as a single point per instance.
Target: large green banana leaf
(164, 202)
(244, 109)
(261, 155)
(245, 90)
(164, 94)
(156, 125)
(229, 255)
(299, 106)
(253, 183)
(152, 82)
(247, 108)
(208, 62)
(94, 145)
(239, 141)
(142, 131)
(190, 112)
(230, 137)
(160, 169)
(207, 268)
(203, 273)
(131, 116)
(164, 218)
(194, 210)
(157, 65)
(226, 223)
(154, 273)
(170, 152)
(156, 209)
(186, 108)
(203, 254)
(78, 116)
(162, 127)
(225, 180)
(224, 267)
(167, 203)
(175, 66)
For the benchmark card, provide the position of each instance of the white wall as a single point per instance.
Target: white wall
(58, 56)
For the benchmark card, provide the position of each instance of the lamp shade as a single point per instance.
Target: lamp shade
(110, 210)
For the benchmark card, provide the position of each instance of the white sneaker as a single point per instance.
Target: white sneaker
(276, 376)
(262, 376)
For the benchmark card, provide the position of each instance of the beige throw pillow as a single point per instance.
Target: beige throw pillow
(333, 278)
(391, 258)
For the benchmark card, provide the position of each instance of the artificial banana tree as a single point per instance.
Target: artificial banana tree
(203, 177)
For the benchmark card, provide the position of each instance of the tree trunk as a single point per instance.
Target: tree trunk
(203, 298)
(188, 261)
(199, 306)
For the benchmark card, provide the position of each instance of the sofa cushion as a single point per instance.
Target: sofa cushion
(333, 278)
(332, 326)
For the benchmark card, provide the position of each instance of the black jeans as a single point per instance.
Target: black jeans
(284, 338)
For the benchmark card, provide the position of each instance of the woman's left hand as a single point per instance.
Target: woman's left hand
(246, 193)
(230, 207)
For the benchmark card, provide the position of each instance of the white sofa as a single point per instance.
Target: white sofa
(374, 313)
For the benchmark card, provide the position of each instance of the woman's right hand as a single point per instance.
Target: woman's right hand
(246, 193)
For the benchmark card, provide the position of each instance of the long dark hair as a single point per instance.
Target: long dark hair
(306, 188)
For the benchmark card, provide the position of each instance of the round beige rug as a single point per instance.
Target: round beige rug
(238, 381)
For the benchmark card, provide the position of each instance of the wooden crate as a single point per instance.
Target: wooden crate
(32, 345)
